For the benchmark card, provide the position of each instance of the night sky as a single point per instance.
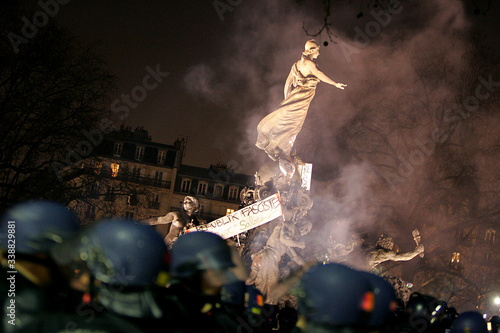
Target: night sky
(227, 70)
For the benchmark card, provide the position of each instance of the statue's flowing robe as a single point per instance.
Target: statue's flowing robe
(265, 265)
(278, 130)
(265, 272)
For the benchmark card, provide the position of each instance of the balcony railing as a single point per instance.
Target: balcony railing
(136, 179)
(209, 195)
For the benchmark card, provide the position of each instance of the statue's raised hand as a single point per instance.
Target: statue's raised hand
(340, 85)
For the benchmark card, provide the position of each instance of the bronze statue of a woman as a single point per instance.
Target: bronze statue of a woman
(278, 130)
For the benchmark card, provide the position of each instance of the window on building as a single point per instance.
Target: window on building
(139, 153)
(115, 167)
(202, 188)
(110, 195)
(455, 258)
(487, 256)
(229, 211)
(117, 149)
(186, 185)
(202, 208)
(155, 203)
(489, 237)
(162, 155)
(218, 191)
(132, 200)
(233, 192)
(158, 176)
(136, 172)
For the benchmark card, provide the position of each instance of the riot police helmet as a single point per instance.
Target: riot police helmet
(199, 251)
(36, 226)
(469, 322)
(123, 252)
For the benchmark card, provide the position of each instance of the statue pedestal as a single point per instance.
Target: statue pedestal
(280, 255)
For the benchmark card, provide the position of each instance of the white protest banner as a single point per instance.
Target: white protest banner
(244, 219)
(306, 172)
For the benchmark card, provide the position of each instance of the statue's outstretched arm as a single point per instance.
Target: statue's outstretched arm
(407, 256)
(313, 68)
(168, 218)
(380, 256)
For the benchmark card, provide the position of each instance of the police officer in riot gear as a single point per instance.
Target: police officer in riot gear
(30, 279)
(468, 322)
(495, 324)
(334, 298)
(124, 258)
(201, 264)
(176, 223)
(385, 301)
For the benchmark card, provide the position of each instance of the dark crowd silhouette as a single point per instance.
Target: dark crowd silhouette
(118, 275)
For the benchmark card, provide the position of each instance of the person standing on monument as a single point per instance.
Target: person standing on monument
(175, 223)
(278, 130)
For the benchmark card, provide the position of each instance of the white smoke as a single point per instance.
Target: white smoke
(386, 76)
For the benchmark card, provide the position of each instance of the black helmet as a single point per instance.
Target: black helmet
(123, 252)
(198, 251)
(36, 226)
(334, 295)
(385, 299)
(469, 322)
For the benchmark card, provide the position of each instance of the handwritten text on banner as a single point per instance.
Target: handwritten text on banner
(244, 219)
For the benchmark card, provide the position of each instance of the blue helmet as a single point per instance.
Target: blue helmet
(123, 252)
(469, 322)
(334, 295)
(36, 226)
(385, 299)
(238, 293)
(199, 251)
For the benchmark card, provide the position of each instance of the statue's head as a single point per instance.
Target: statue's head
(311, 47)
(385, 243)
(191, 205)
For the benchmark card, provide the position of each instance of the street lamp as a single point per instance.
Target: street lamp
(497, 300)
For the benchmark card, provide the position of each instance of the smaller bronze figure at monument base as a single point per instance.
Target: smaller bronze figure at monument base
(278, 130)
(174, 223)
(385, 252)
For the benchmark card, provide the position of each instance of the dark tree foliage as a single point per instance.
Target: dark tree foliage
(51, 91)
(450, 189)
(474, 7)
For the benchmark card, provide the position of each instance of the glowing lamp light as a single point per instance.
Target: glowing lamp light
(497, 300)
